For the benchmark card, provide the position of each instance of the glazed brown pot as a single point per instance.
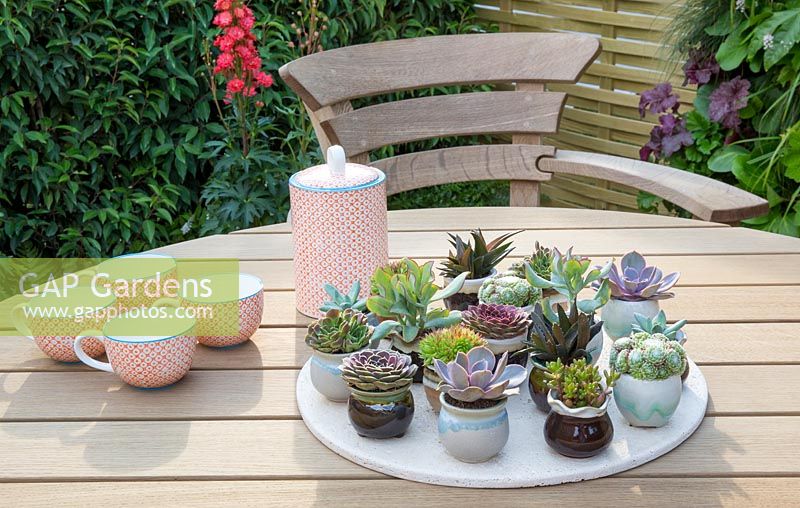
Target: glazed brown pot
(381, 415)
(578, 433)
(537, 386)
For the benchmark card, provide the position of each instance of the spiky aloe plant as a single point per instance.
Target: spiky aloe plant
(565, 339)
(476, 257)
(341, 301)
(407, 298)
(579, 384)
(345, 331)
(445, 343)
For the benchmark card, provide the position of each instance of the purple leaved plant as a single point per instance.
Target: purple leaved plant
(658, 100)
(727, 100)
(700, 68)
(476, 375)
(666, 138)
(634, 281)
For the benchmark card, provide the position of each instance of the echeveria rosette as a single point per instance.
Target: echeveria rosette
(634, 281)
(345, 331)
(648, 357)
(496, 321)
(727, 100)
(377, 370)
(476, 375)
(507, 289)
(570, 275)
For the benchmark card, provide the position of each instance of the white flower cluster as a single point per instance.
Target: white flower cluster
(768, 41)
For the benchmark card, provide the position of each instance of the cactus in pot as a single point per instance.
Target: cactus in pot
(332, 338)
(508, 289)
(649, 389)
(380, 404)
(504, 326)
(477, 258)
(636, 288)
(444, 344)
(473, 421)
(578, 425)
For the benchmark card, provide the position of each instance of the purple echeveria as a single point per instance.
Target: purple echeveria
(727, 100)
(634, 281)
(476, 375)
(700, 68)
(658, 100)
(666, 138)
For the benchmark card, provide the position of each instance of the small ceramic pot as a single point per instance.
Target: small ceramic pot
(326, 376)
(468, 294)
(537, 386)
(618, 314)
(473, 435)
(580, 432)
(244, 313)
(430, 383)
(381, 415)
(647, 403)
(510, 346)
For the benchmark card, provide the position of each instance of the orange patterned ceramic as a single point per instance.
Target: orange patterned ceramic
(246, 311)
(339, 228)
(151, 271)
(159, 357)
(52, 321)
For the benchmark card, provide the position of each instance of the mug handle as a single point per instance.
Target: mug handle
(88, 360)
(19, 321)
(167, 302)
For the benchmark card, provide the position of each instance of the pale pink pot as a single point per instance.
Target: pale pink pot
(339, 228)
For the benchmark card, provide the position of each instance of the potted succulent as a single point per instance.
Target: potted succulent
(334, 337)
(407, 298)
(473, 421)
(649, 388)
(478, 260)
(578, 425)
(635, 289)
(381, 404)
(505, 328)
(658, 324)
(508, 289)
(387, 270)
(565, 340)
(541, 262)
(341, 301)
(570, 275)
(444, 344)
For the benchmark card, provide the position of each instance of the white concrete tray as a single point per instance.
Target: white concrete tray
(526, 461)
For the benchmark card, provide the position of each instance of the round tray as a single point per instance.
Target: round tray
(526, 460)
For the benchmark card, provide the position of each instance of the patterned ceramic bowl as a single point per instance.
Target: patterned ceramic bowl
(146, 348)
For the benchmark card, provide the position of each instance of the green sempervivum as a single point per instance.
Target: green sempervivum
(444, 344)
(579, 384)
(648, 357)
(508, 289)
(541, 262)
(345, 331)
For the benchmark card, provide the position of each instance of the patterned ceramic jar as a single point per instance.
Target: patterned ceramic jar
(339, 228)
(146, 348)
(53, 320)
(244, 314)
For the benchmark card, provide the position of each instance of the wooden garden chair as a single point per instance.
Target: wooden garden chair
(327, 83)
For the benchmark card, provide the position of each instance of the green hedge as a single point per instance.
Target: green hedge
(108, 127)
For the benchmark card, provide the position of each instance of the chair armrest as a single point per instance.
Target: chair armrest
(706, 199)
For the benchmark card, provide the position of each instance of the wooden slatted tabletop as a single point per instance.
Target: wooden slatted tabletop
(230, 432)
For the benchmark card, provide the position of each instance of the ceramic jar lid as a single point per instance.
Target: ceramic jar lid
(337, 175)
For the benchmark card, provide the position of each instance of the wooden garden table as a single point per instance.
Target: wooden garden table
(230, 432)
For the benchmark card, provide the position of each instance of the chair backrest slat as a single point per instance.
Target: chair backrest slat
(463, 164)
(467, 114)
(343, 74)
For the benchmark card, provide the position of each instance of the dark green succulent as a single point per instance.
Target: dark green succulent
(345, 331)
(476, 258)
(564, 340)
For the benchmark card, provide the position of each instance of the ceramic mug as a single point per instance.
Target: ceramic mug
(243, 314)
(136, 280)
(145, 352)
(53, 320)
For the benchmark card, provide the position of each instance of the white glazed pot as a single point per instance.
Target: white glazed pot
(595, 347)
(326, 376)
(617, 315)
(647, 403)
(473, 435)
(512, 345)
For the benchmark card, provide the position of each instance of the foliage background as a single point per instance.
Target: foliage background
(108, 129)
